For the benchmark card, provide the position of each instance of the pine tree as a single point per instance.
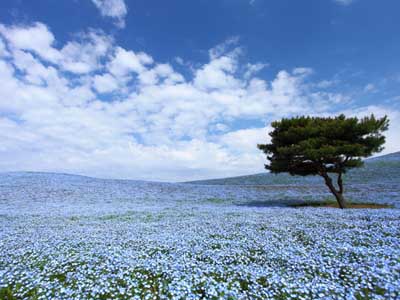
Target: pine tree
(323, 146)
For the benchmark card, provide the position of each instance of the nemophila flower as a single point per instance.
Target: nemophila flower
(100, 246)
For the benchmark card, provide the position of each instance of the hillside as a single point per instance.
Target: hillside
(382, 169)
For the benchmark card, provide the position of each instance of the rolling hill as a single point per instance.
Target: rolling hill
(382, 169)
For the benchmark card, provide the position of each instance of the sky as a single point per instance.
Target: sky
(181, 90)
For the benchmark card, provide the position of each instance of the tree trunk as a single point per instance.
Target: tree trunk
(340, 183)
(337, 193)
(341, 201)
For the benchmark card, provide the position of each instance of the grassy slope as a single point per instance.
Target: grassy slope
(383, 169)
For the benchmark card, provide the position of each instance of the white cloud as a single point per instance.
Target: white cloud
(344, 2)
(35, 71)
(303, 71)
(115, 9)
(323, 84)
(124, 115)
(81, 55)
(125, 62)
(84, 55)
(252, 69)
(218, 74)
(246, 140)
(105, 83)
(36, 38)
(370, 88)
(3, 50)
(180, 60)
(224, 47)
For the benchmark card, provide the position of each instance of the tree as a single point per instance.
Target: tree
(321, 146)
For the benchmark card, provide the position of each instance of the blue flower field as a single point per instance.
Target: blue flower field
(74, 237)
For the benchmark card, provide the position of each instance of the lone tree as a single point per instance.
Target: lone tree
(320, 146)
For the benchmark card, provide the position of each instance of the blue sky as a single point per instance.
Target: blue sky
(176, 90)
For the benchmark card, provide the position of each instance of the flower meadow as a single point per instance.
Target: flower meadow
(73, 237)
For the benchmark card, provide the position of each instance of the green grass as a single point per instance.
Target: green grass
(6, 293)
(215, 200)
(333, 204)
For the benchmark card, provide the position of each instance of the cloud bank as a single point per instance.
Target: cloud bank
(92, 107)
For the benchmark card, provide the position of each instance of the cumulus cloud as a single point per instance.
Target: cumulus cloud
(105, 83)
(115, 9)
(84, 54)
(246, 140)
(124, 62)
(218, 74)
(119, 113)
(81, 55)
(36, 38)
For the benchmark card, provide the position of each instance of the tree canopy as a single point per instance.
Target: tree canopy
(318, 146)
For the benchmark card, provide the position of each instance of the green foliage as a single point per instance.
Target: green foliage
(7, 294)
(316, 145)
